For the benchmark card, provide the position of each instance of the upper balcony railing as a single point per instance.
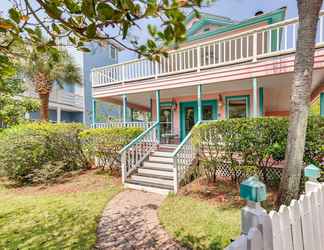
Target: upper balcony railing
(60, 96)
(271, 40)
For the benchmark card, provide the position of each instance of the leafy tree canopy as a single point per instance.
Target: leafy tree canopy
(82, 21)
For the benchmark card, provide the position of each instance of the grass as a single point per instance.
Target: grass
(63, 216)
(199, 224)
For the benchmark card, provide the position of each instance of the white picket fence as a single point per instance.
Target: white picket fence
(299, 226)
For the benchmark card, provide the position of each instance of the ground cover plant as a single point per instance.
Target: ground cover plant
(60, 216)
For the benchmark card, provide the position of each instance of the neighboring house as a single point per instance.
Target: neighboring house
(65, 104)
(100, 55)
(226, 69)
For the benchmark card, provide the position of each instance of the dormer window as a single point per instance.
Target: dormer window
(206, 29)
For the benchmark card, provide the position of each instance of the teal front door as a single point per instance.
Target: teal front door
(189, 114)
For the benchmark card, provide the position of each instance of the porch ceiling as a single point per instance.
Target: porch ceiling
(279, 86)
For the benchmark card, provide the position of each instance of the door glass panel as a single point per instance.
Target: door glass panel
(166, 121)
(237, 108)
(207, 112)
(189, 119)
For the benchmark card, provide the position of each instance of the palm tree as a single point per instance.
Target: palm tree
(45, 67)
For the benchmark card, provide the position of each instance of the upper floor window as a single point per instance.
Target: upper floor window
(113, 52)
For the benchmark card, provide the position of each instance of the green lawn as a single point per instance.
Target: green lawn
(199, 224)
(64, 216)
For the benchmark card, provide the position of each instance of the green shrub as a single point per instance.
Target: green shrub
(101, 146)
(250, 146)
(40, 152)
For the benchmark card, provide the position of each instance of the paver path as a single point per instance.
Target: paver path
(130, 221)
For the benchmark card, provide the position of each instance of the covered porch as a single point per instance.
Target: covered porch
(178, 109)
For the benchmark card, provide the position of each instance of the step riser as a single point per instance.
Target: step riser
(155, 172)
(148, 189)
(158, 165)
(161, 159)
(153, 180)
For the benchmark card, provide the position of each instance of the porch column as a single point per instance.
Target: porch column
(322, 104)
(124, 108)
(157, 97)
(255, 98)
(261, 101)
(93, 113)
(199, 102)
(58, 115)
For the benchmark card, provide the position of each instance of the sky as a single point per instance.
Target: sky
(235, 9)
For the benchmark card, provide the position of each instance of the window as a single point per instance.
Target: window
(113, 52)
(237, 106)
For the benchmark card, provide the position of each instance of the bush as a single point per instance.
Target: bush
(40, 152)
(101, 146)
(249, 146)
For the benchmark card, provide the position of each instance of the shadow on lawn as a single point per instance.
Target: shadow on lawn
(197, 242)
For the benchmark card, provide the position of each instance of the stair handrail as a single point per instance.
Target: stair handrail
(184, 155)
(134, 153)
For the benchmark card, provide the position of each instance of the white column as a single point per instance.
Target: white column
(255, 97)
(58, 114)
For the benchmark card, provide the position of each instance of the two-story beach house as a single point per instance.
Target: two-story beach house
(226, 69)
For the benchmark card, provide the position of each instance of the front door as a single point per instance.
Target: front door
(189, 114)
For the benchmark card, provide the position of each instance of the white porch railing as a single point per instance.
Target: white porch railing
(120, 124)
(271, 40)
(133, 154)
(183, 157)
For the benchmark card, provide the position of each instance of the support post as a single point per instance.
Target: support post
(255, 97)
(58, 115)
(322, 104)
(124, 109)
(157, 97)
(199, 102)
(93, 115)
(261, 101)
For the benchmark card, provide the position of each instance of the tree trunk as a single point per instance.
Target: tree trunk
(300, 99)
(43, 87)
(44, 99)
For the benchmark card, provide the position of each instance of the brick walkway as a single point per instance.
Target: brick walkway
(130, 221)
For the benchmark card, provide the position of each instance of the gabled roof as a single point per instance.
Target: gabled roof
(228, 24)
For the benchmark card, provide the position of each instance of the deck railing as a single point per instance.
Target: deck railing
(121, 124)
(183, 157)
(133, 154)
(271, 40)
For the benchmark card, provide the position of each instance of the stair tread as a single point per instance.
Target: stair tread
(157, 169)
(160, 162)
(150, 184)
(162, 177)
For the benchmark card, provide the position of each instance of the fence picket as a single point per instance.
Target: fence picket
(277, 241)
(239, 244)
(254, 240)
(285, 228)
(307, 225)
(295, 218)
(315, 218)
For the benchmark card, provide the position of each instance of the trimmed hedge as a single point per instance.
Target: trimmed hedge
(250, 146)
(42, 152)
(101, 146)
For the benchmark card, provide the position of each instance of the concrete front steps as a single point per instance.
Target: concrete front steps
(156, 173)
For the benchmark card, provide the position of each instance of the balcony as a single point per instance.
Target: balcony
(246, 47)
(59, 96)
